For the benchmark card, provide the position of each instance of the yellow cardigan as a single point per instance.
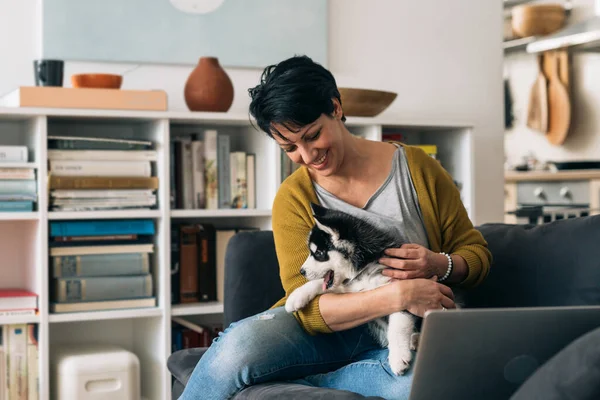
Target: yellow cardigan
(448, 227)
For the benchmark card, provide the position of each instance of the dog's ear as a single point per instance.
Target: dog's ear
(317, 210)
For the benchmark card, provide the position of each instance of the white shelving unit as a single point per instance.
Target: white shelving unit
(147, 332)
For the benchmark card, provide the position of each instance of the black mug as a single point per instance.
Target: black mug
(48, 72)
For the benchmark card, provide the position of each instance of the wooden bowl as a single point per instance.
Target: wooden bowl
(537, 19)
(365, 102)
(103, 81)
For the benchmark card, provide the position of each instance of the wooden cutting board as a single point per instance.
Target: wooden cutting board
(559, 103)
(537, 110)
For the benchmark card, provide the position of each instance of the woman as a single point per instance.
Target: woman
(398, 187)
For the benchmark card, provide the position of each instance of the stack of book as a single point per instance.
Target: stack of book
(207, 174)
(101, 265)
(19, 362)
(17, 302)
(18, 186)
(87, 174)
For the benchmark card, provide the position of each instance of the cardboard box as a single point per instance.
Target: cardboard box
(108, 99)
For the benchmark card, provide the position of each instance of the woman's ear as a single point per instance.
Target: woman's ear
(338, 112)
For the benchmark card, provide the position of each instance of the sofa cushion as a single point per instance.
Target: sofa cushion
(573, 373)
(544, 265)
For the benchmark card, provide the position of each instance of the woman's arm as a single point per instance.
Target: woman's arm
(348, 310)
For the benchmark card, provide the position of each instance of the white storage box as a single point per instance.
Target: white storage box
(94, 372)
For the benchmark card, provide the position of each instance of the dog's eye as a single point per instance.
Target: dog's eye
(320, 255)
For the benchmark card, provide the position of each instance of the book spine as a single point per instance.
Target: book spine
(102, 228)
(251, 179)
(188, 264)
(101, 265)
(13, 154)
(68, 290)
(33, 380)
(206, 263)
(17, 361)
(80, 182)
(187, 170)
(102, 155)
(198, 174)
(16, 206)
(17, 173)
(20, 186)
(100, 168)
(3, 364)
(211, 178)
(172, 175)
(224, 170)
(175, 264)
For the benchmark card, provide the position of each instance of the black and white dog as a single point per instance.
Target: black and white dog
(344, 254)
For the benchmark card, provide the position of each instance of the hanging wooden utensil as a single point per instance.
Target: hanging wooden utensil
(537, 111)
(559, 106)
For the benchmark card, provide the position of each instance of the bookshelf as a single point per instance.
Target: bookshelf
(147, 332)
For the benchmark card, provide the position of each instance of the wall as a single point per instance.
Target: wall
(443, 58)
(583, 141)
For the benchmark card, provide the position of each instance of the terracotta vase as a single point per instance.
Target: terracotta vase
(208, 88)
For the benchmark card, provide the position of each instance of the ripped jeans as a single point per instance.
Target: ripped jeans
(272, 346)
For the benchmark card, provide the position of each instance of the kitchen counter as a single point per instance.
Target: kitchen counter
(573, 175)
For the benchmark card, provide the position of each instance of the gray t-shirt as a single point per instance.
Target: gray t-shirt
(393, 207)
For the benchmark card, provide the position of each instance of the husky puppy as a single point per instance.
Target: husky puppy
(344, 254)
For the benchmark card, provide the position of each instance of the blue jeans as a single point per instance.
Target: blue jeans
(272, 346)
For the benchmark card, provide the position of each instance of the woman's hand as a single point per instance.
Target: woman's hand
(420, 295)
(411, 261)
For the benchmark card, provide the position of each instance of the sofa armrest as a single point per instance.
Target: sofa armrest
(181, 364)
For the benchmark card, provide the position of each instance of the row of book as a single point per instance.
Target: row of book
(101, 265)
(185, 338)
(206, 173)
(18, 184)
(91, 173)
(198, 261)
(19, 355)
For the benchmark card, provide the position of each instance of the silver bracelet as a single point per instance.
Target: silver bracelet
(450, 267)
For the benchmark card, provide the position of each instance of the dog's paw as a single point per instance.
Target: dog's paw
(414, 341)
(399, 360)
(296, 301)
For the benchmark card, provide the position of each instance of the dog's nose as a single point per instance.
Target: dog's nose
(302, 271)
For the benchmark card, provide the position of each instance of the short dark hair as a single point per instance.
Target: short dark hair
(293, 93)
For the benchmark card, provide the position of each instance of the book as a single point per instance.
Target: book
(91, 98)
(102, 227)
(100, 168)
(17, 361)
(16, 206)
(239, 195)
(18, 186)
(102, 155)
(13, 154)
(198, 174)
(17, 173)
(88, 265)
(91, 182)
(33, 380)
(224, 171)
(211, 169)
(16, 299)
(76, 289)
(58, 308)
(101, 249)
(251, 180)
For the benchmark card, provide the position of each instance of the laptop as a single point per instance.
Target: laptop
(488, 353)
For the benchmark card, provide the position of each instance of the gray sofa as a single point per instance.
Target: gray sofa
(555, 264)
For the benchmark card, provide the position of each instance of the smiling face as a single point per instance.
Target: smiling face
(319, 145)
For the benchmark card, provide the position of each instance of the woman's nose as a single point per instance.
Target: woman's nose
(307, 153)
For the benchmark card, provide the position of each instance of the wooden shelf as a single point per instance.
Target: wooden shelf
(19, 216)
(116, 214)
(179, 310)
(106, 315)
(25, 319)
(222, 213)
